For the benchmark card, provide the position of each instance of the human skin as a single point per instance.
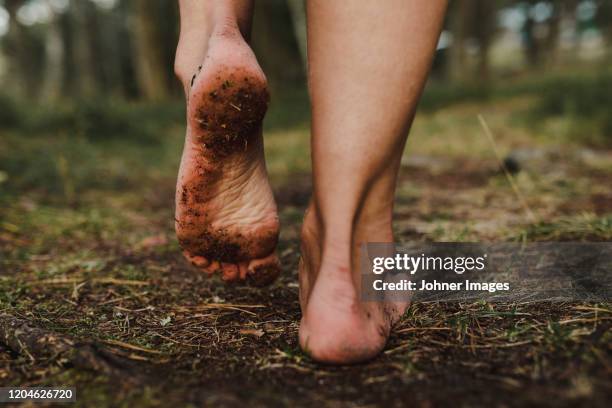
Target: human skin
(368, 62)
(226, 219)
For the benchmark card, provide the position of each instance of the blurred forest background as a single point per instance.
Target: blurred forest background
(66, 50)
(91, 132)
(80, 77)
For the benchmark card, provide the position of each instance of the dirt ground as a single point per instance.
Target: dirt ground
(96, 295)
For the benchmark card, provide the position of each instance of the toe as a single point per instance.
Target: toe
(212, 268)
(243, 269)
(198, 261)
(263, 271)
(230, 272)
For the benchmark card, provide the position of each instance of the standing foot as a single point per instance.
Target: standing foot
(337, 327)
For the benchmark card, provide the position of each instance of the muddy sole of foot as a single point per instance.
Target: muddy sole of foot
(225, 112)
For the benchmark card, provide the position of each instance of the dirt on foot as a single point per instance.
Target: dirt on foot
(226, 217)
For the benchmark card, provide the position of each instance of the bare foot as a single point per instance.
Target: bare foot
(337, 327)
(226, 218)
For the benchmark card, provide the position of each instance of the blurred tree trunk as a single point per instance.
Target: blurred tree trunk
(459, 20)
(65, 23)
(474, 20)
(530, 41)
(275, 43)
(541, 39)
(108, 43)
(101, 59)
(84, 78)
(554, 31)
(169, 33)
(54, 58)
(603, 19)
(150, 69)
(572, 7)
(298, 16)
(16, 49)
(485, 25)
(123, 50)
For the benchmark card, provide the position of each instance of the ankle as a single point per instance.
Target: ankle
(371, 222)
(195, 41)
(191, 50)
(336, 238)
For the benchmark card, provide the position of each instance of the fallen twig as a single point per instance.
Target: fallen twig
(517, 192)
(130, 346)
(80, 281)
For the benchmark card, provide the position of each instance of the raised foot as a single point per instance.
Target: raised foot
(226, 218)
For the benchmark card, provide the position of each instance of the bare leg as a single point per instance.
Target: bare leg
(368, 64)
(226, 218)
(199, 19)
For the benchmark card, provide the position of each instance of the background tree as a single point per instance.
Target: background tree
(475, 22)
(125, 48)
(149, 61)
(274, 41)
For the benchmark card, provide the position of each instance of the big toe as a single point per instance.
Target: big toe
(197, 261)
(263, 271)
(230, 272)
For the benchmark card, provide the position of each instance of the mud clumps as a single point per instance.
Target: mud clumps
(223, 245)
(216, 246)
(198, 190)
(220, 246)
(183, 195)
(230, 114)
(223, 250)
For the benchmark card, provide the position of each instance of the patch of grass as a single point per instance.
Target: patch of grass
(10, 114)
(446, 231)
(583, 101)
(289, 109)
(64, 167)
(103, 119)
(586, 227)
(580, 100)
(439, 95)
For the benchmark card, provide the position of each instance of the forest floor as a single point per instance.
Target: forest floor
(95, 294)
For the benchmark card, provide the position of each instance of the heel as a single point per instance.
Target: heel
(230, 109)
